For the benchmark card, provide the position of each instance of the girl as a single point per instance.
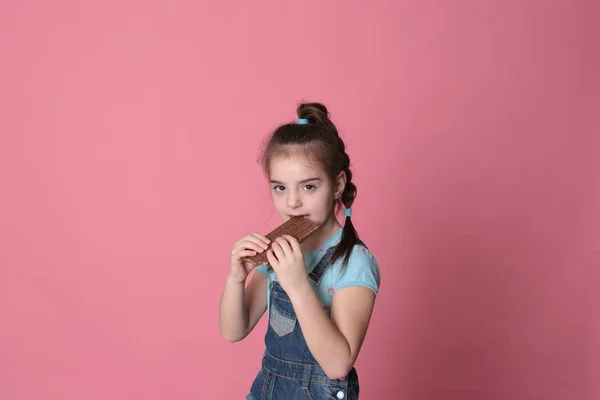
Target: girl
(319, 294)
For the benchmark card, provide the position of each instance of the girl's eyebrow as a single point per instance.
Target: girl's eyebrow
(302, 181)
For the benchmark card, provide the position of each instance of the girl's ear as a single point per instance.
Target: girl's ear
(340, 184)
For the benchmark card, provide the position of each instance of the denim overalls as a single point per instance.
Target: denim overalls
(289, 371)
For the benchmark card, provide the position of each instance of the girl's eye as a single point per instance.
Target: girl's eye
(310, 187)
(278, 188)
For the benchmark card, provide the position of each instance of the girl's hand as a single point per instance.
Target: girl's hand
(287, 261)
(246, 247)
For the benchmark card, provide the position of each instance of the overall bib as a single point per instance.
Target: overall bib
(289, 371)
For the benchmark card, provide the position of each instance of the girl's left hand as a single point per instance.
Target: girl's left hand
(287, 260)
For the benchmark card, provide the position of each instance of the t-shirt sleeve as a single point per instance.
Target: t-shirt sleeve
(362, 270)
(263, 270)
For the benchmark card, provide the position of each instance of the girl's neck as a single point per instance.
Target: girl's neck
(324, 232)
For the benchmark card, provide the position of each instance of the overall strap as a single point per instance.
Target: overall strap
(324, 263)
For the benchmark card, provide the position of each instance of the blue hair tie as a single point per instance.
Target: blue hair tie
(302, 121)
(348, 212)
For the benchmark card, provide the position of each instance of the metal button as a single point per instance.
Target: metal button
(340, 395)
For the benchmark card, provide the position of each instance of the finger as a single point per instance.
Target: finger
(236, 244)
(246, 247)
(247, 265)
(259, 240)
(272, 259)
(253, 239)
(262, 237)
(248, 244)
(285, 247)
(244, 253)
(277, 250)
(294, 244)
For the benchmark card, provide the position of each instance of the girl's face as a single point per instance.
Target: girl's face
(301, 188)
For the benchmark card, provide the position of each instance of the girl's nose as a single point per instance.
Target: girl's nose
(293, 201)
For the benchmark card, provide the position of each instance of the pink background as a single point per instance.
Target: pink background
(470, 127)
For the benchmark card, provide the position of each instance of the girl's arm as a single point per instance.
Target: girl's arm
(242, 307)
(334, 343)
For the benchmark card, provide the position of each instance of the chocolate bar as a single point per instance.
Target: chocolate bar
(298, 227)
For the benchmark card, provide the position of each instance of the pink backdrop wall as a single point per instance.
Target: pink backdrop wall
(470, 128)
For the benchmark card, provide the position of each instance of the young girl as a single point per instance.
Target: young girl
(319, 294)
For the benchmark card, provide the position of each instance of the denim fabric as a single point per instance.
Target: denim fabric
(289, 371)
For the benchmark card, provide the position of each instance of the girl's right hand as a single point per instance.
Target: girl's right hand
(248, 246)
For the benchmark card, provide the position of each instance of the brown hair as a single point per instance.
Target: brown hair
(318, 139)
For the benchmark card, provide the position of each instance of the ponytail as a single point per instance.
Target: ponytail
(348, 241)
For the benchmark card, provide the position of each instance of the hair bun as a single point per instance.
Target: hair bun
(315, 113)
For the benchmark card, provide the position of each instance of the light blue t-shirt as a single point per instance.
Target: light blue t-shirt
(361, 270)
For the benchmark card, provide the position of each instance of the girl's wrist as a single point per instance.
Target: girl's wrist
(236, 280)
(301, 291)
